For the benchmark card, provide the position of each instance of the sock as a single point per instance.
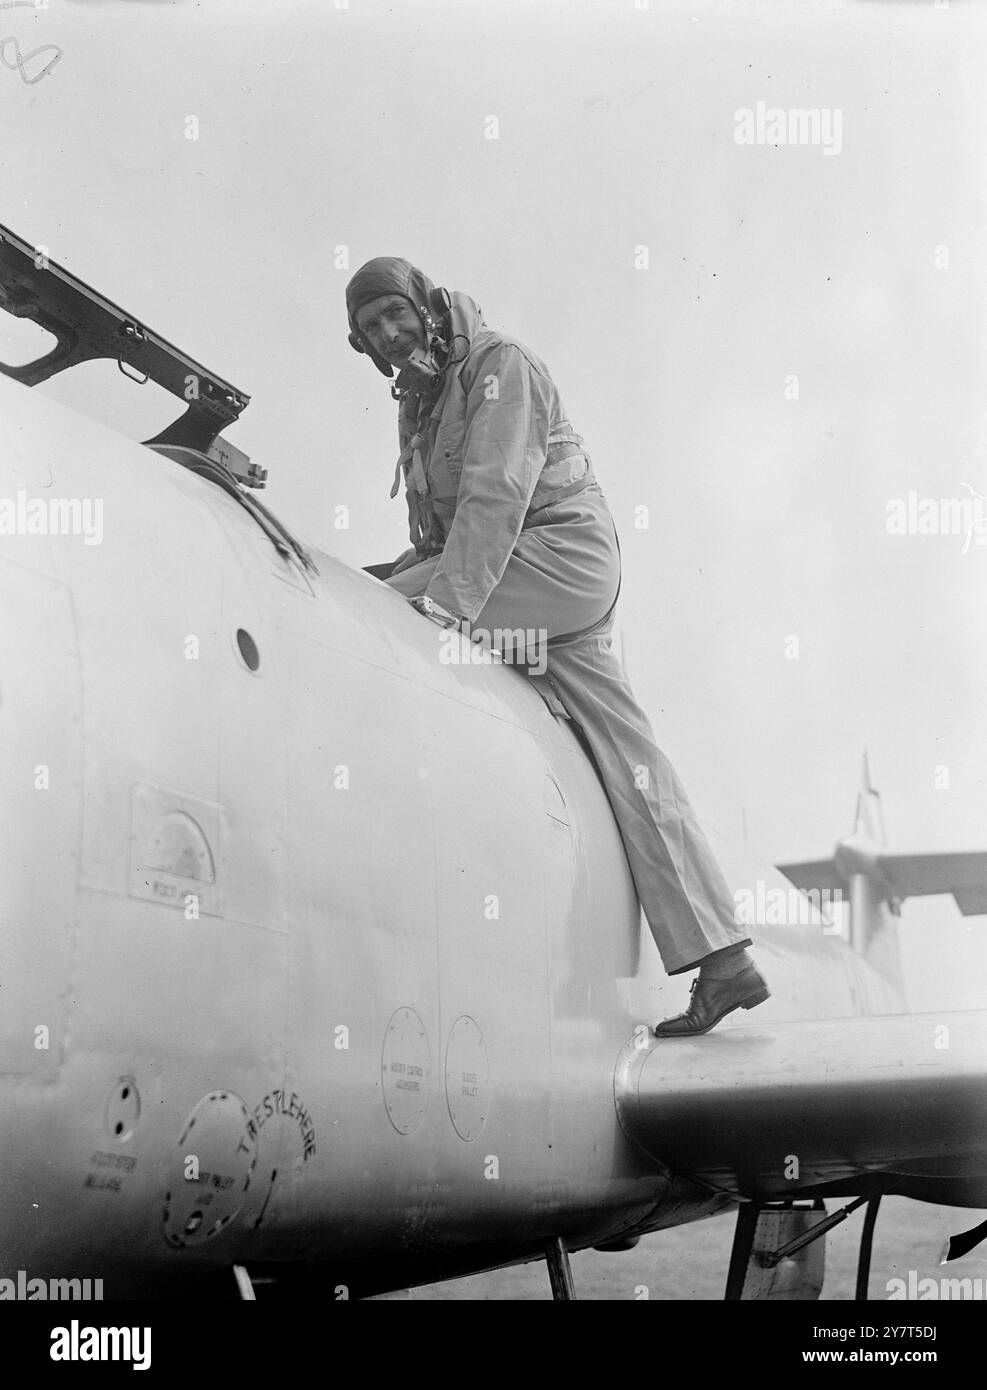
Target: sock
(724, 964)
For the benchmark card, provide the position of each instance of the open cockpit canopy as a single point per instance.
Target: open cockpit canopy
(86, 327)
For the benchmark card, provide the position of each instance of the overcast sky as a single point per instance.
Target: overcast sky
(573, 164)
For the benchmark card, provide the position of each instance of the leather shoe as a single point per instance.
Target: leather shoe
(714, 999)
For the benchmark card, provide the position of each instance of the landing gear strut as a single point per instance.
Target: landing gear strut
(559, 1270)
(764, 1265)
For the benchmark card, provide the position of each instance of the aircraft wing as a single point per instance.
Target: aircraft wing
(775, 1112)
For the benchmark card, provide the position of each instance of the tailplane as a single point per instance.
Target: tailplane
(876, 883)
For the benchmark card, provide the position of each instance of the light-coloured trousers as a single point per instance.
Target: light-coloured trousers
(563, 578)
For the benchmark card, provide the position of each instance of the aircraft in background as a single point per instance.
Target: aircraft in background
(321, 965)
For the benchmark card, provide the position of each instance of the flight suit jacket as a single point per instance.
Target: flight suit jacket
(494, 449)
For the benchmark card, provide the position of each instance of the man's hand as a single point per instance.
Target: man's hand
(435, 612)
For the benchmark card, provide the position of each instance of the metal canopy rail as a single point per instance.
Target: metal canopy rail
(89, 327)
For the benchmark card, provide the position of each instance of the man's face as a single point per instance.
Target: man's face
(392, 327)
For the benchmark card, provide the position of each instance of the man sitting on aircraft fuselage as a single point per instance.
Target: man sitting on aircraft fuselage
(509, 531)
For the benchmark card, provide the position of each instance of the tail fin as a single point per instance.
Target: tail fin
(869, 819)
(877, 883)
